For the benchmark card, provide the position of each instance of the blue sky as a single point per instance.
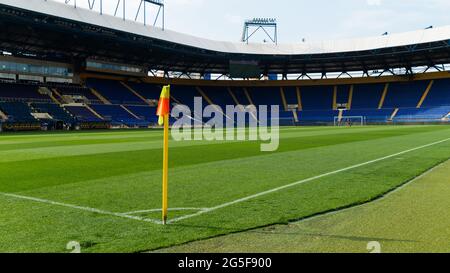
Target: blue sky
(310, 19)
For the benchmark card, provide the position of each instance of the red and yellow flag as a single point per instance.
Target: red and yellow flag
(163, 113)
(164, 104)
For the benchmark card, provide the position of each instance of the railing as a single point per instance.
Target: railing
(9, 99)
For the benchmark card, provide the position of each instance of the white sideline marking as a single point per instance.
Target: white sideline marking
(98, 211)
(407, 184)
(159, 210)
(207, 210)
(301, 182)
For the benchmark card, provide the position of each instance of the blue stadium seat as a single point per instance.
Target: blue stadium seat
(367, 96)
(291, 95)
(144, 112)
(405, 94)
(82, 114)
(317, 115)
(117, 114)
(56, 111)
(114, 91)
(17, 111)
(73, 90)
(439, 94)
(266, 96)
(219, 95)
(422, 114)
(21, 91)
(148, 91)
(343, 94)
(317, 98)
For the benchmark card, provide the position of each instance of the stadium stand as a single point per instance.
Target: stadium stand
(342, 94)
(21, 91)
(404, 95)
(75, 90)
(317, 116)
(240, 96)
(371, 115)
(17, 111)
(57, 112)
(117, 114)
(367, 96)
(114, 91)
(290, 94)
(422, 114)
(19, 117)
(401, 102)
(147, 91)
(96, 82)
(82, 113)
(144, 113)
(439, 94)
(185, 94)
(265, 96)
(219, 95)
(317, 98)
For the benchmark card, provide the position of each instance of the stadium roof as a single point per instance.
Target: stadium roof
(59, 31)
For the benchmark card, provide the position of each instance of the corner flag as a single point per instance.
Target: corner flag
(163, 114)
(164, 104)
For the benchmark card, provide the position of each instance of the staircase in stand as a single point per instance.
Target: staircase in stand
(394, 114)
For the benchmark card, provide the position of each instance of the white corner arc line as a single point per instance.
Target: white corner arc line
(159, 210)
(302, 182)
(97, 211)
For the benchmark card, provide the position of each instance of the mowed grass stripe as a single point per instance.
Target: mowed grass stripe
(206, 183)
(223, 180)
(135, 145)
(101, 234)
(307, 180)
(414, 219)
(74, 142)
(77, 139)
(112, 164)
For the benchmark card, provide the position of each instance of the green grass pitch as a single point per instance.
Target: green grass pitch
(414, 219)
(103, 189)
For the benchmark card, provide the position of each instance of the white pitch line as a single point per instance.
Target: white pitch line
(302, 182)
(97, 211)
(159, 210)
(407, 184)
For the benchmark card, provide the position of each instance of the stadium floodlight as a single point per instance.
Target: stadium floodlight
(142, 5)
(257, 24)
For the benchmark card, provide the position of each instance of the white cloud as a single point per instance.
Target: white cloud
(234, 19)
(374, 2)
(312, 19)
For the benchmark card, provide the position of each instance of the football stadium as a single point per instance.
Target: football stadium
(91, 161)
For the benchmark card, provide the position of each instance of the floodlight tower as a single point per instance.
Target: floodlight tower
(159, 4)
(267, 25)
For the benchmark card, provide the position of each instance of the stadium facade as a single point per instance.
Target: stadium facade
(64, 67)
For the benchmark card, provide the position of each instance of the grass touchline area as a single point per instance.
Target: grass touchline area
(207, 210)
(114, 180)
(413, 219)
(304, 181)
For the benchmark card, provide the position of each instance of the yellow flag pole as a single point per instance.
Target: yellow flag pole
(165, 186)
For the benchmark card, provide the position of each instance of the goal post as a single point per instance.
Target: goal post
(349, 121)
(287, 122)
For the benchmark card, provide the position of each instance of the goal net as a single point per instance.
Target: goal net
(350, 121)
